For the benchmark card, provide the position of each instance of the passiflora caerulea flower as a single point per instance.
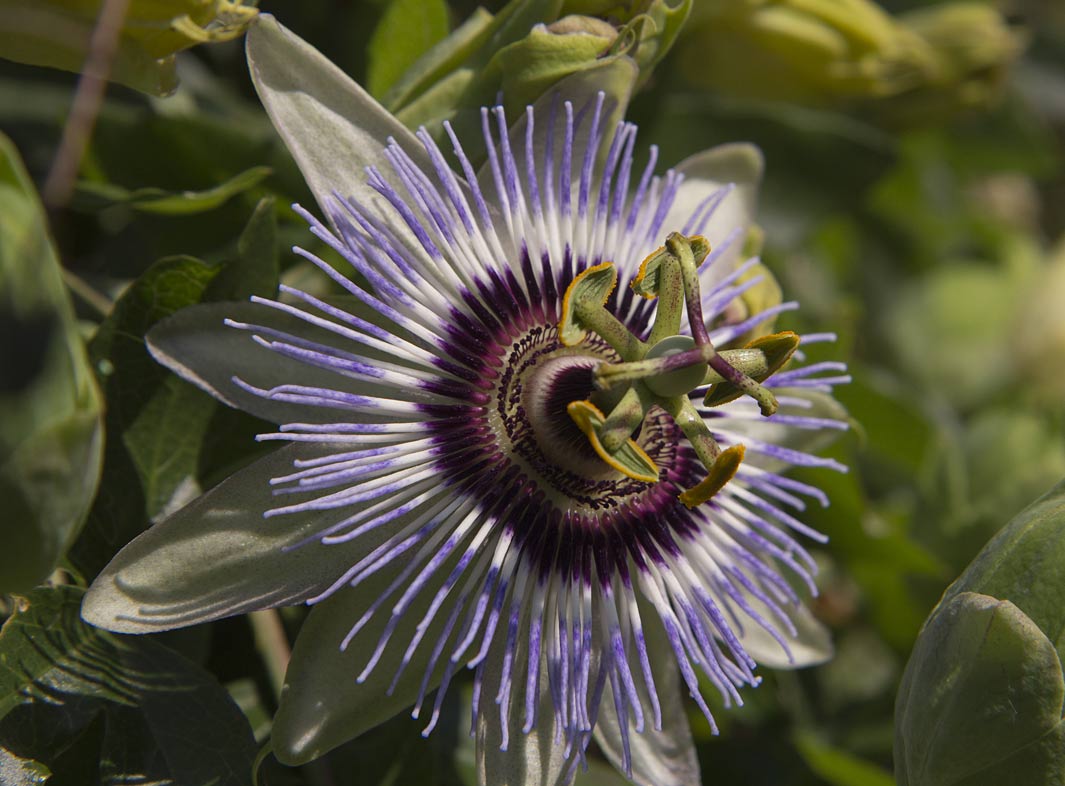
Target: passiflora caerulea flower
(511, 447)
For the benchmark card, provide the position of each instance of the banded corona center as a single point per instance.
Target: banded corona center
(537, 378)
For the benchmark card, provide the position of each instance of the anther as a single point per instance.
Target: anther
(665, 369)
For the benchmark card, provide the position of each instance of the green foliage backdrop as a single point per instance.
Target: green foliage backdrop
(914, 202)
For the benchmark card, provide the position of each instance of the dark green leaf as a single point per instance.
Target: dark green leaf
(893, 427)
(162, 430)
(838, 767)
(157, 200)
(102, 708)
(50, 419)
(450, 67)
(158, 420)
(177, 153)
(1012, 455)
(255, 269)
(57, 35)
(442, 63)
(881, 556)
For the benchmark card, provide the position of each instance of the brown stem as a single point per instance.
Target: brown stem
(92, 84)
(273, 645)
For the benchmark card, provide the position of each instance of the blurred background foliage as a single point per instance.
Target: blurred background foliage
(914, 203)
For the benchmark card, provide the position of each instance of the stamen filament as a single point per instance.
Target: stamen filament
(666, 368)
(767, 402)
(608, 375)
(670, 303)
(625, 418)
(682, 250)
(691, 423)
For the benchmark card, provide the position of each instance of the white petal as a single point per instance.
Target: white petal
(811, 646)
(533, 759)
(616, 78)
(659, 758)
(218, 556)
(332, 127)
(197, 345)
(322, 704)
(745, 422)
(704, 173)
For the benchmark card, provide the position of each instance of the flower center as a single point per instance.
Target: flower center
(587, 417)
(663, 371)
(538, 379)
(546, 392)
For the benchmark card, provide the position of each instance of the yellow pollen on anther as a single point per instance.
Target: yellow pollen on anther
(630, 459)
(723, 470)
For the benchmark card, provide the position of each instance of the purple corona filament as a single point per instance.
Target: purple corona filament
(509, 547)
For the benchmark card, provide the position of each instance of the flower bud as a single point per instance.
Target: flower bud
(831, 51)
(804, 50)
(973, 47)
(981, 699)
(525, 50)
(980, 702)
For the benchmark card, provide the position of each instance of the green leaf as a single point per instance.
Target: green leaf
(980, 703)
(160, 429)
(180, 152)
(838, 767)
(98, 707)
(156, 200)
(157, 420)
(256, 268)
(1012, 455)
(408, 29)
(34, 33)
(894, 429)
(442, 62)
(462, 73)
(51, 428)
(450, 67)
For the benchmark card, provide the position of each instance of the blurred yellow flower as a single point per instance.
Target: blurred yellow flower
(56, 33)
(829, 52)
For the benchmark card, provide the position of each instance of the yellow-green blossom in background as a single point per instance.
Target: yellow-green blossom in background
(56, 33)
(1040, 329)
(832, 52)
